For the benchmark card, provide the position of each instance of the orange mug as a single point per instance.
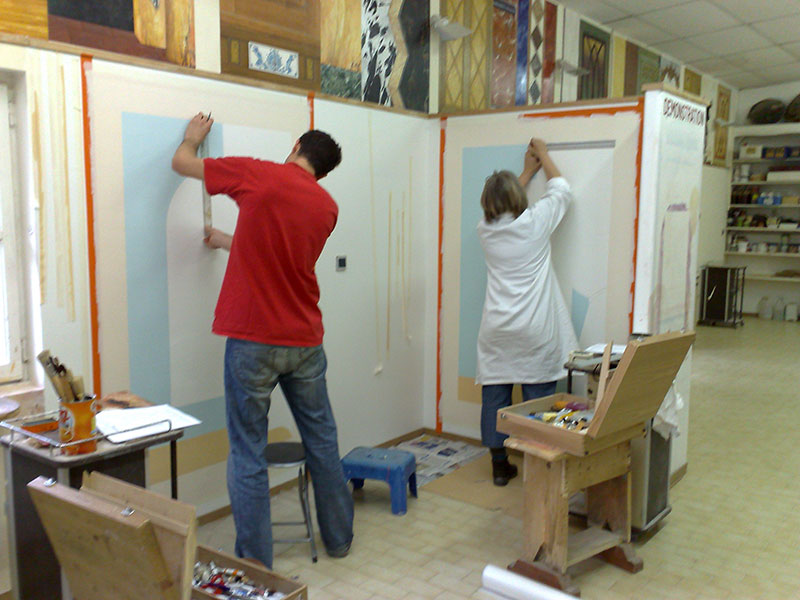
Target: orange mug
(76, 421)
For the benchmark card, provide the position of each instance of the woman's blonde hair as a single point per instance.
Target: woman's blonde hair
(503, 193)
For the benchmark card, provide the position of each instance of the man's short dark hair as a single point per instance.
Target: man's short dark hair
(321, 151)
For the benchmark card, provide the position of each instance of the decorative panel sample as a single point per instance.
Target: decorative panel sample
(269, 59)
(24, 17)
(161, 30)
(670, 72)
(451, 83)
(504, 51)
(465, 62)
(378, 51)
(692, 81)
(523, 22)
(649, 69)
(340, 41)
(414, 79)
(340, 82)
(291, 27)
(549, 53)
(479, 44)
(631, 69)
(594, 57)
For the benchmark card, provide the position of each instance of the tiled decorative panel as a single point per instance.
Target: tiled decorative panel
(504, 53)
(269, 59)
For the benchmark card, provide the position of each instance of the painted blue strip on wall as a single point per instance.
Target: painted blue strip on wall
(523, 26)
(148, 143)
(477, 165)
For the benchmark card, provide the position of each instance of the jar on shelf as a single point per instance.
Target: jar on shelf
(778, 310)
(764, 308)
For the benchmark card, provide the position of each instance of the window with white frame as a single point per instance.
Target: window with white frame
(11, 318)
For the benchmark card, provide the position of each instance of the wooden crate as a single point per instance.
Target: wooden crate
(117, 540)
(631, 398)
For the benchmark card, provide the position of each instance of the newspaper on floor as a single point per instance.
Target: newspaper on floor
(438, 456)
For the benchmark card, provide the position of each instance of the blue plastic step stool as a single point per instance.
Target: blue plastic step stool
(396, 467)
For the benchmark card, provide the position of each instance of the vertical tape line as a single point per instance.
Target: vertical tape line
(311, 109)
(86, 65)
(442, 139)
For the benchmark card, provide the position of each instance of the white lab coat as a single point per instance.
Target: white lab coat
(526, 332)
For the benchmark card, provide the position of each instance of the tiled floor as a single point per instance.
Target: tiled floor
(734, 531)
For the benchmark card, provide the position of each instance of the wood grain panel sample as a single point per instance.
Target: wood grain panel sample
(150, 23)
(340, 43)
(24, 17)
(692, 81)
(292, 25)
(180, 32)
(83, 33)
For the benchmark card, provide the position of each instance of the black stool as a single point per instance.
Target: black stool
(286, 455)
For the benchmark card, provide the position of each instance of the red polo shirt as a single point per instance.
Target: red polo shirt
(270, 292)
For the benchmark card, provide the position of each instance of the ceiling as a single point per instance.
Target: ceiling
(745, 43)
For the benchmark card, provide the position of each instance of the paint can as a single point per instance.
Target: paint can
(76, 421)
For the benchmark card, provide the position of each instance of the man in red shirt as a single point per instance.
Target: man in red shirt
(267, 309)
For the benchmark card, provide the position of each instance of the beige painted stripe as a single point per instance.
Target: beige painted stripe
(618, 67)
(469, 392)
(198, 453)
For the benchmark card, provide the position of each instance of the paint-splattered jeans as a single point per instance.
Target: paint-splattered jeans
(251, 372)
(497, 396)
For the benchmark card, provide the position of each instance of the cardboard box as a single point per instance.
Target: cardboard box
(784, 176)
(753, 151)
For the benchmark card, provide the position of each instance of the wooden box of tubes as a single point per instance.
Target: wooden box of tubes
(625, 402)
(117, 540)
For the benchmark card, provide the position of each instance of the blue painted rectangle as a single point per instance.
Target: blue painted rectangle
(477, 165)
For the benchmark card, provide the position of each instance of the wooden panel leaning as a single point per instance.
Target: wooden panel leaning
(560, 462)
(120, 541)
(104, 552)
(174, 522)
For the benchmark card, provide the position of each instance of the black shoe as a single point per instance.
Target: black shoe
(502, 471)
(339, 552)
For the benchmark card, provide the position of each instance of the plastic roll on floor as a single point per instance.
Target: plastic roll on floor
(510, 586)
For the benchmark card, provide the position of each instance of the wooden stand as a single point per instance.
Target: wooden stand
(560, 462)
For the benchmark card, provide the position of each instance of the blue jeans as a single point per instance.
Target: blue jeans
(251, 372)
(497, 396)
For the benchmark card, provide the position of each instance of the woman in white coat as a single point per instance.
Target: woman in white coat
(526, 332)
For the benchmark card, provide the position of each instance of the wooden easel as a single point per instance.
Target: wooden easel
(560, 462)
